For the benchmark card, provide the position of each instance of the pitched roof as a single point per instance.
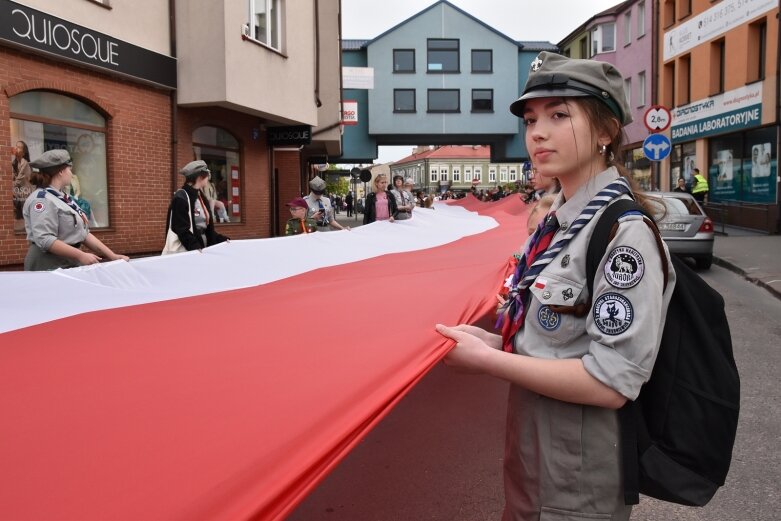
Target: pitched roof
(353, 45)
(449, 152)
(539, 45)
(609, 11)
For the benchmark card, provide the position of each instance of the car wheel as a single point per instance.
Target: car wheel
(704, 263)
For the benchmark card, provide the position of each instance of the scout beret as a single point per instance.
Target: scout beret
(195, 168)
(554, 75)
(51, 159)
(298, 202)
(317, 184)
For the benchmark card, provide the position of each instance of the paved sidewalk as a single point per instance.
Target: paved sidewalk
(756, 257)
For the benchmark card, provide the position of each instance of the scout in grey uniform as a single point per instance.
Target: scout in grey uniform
(320, 208)
(572, 356)
(404, 201)
(56, 226)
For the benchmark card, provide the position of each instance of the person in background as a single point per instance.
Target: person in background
(22, 187)
(189, 212)
(320, 208)
(348, 200)
(56, 226)
(404, 203)
(700, 188)
(570, 372)
(299, 223)
(409, 186)
(681, 186)
(380, 203)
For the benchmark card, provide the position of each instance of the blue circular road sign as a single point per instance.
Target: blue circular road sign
(657, 147)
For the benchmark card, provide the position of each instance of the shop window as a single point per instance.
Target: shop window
(403, 100)
(743, 166)
(482, 100)
(403, 60)
(42, 121)
(443, 55)
(683, 161)
(482, 61)
(443, 100)
(266, 22)
(221, 151)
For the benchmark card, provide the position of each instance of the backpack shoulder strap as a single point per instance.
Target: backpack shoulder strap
(603, 233)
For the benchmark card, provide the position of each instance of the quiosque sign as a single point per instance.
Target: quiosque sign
(23, 26)
(297, 135)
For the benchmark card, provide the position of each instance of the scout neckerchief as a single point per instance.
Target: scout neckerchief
(65, 198)
(304, 229)
(536, 258)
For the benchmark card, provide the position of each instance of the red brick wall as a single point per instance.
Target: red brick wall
(138, 150)
(138, 138)
(254, 165)
(288, 168)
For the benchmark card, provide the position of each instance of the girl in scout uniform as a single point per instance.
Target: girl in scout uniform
(572, 357)
(56, 226)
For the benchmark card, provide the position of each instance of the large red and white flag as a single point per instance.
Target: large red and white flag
(226, 384)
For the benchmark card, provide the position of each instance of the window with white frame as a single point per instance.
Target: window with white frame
(513, 173)
(491, 174)
(467, 174)
(628, 27)
(478, 174)
(503, 174)
(640, 19)
(628, 91)
(434, 174)
(603, 38)
(444, 170)
(265, 24)
(456, 174)
(641, 89)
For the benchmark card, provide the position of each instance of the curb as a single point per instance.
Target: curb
(736, 269)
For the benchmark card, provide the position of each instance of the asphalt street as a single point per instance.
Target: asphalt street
(438, 454)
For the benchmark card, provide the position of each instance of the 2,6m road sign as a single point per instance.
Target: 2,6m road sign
(657, 147)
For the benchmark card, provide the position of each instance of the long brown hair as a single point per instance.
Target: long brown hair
(603, 121)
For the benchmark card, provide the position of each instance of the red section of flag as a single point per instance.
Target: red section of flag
(231, 405)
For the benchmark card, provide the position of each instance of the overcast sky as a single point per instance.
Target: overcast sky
(547, 20)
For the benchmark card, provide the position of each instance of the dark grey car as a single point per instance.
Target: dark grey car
(686, 230)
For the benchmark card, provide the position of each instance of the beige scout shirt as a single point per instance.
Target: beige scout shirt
(46, 219)
(563, 459)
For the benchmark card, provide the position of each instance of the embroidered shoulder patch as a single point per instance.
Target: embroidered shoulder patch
(624, 267)
(549, 319)
(39, 206)
(613, 313)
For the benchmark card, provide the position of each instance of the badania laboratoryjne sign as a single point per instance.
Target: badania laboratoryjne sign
(728, 112)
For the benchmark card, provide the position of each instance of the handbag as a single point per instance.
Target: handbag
(172, 242)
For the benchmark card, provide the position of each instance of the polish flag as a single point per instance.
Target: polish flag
(210, 385)
(540, 283)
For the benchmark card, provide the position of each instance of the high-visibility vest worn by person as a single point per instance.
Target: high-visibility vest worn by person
(700, 184)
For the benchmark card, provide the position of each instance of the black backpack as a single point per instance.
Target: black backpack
(677, 436)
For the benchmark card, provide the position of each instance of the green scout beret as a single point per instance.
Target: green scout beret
(51, 159)
(195, 168)
(554, 75)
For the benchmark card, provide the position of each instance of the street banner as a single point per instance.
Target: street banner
(225, 384)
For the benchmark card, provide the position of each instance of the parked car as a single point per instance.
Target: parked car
(685, 228)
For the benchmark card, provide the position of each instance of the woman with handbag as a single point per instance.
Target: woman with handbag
(190, 221)
(56, 226)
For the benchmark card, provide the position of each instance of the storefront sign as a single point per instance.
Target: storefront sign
(22, 26)
(298, 135)
(357, 77)
(349, 112)
(734, 110)
(713, 23)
